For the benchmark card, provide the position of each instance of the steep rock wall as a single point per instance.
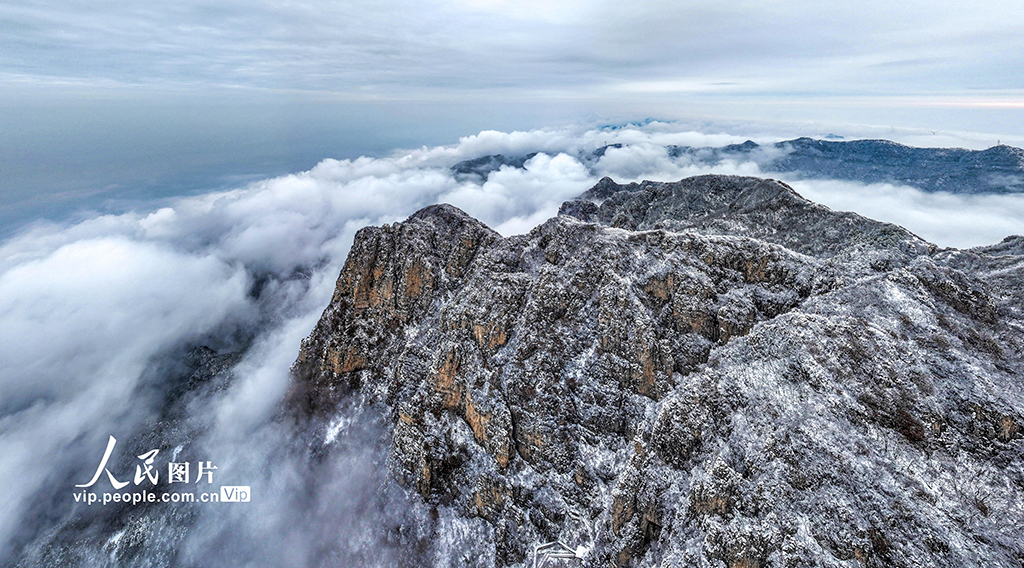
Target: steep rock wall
(711, 372)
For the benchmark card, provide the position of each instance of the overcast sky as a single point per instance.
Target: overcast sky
(936, 52)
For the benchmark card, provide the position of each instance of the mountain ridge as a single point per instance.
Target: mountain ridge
(998, 169)
(673, 378)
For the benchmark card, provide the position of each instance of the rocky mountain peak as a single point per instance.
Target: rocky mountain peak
(707, 372)
(745, 206)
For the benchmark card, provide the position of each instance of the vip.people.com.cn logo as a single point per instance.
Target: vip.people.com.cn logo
(179, 480)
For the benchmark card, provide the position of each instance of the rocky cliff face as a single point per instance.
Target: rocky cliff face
(713, 372)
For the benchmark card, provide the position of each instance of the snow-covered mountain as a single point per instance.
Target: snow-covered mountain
(711, 372)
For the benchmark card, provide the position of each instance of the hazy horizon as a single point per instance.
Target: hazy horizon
(142, 164)
(103, 107)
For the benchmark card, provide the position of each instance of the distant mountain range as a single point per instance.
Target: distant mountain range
(999, 169)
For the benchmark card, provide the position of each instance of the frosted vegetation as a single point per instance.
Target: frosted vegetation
(175, 328)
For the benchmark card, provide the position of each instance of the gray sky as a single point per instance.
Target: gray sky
(600, 54)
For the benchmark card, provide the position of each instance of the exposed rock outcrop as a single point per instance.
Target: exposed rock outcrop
(712, 372)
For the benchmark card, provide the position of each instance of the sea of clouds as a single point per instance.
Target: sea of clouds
(88, 309)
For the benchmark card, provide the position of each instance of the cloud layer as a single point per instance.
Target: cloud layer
(88, 309)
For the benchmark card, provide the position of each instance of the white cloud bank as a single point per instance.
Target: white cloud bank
(947, 219)
(86, 309)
